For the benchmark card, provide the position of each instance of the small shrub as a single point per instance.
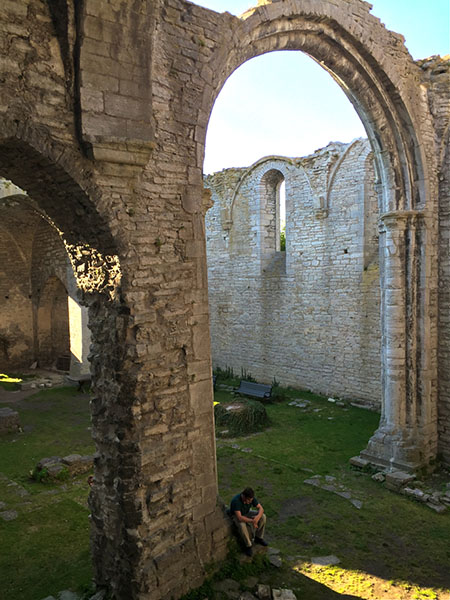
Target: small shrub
(63, 475)
(39, 475)
(247, 376)
(249, 417)
(283, 239)
(279, 393)
(226, 375)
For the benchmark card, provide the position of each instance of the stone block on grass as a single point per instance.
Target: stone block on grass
(9, 420)
(359, 462)
(398, 479)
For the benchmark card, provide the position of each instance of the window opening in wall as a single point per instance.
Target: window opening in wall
(282, 204)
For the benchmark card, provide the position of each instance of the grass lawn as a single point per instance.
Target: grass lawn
(46, 548)
(390, 549)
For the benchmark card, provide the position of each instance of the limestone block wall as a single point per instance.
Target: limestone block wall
(16, 323)
(436, 72)
(34, 273)
(49, 258)
(103, 117)
(309, 316)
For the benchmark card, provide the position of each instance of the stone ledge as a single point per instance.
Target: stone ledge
(119, 150)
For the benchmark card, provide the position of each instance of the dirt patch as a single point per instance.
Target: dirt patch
(12, 397)
(296, 507)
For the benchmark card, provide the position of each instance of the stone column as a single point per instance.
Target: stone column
(407, 436)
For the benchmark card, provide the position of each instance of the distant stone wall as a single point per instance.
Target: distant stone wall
(16, 323)
(32, 254)
(309, 316)
(49, 258)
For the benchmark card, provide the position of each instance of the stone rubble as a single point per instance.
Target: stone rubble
(75, 464)
(399, 482)
(330, 484)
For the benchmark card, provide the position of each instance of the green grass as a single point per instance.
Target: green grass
(48, 543)
(390, 538)
(391, 544)
(39, 562)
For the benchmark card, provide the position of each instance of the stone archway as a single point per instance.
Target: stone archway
(370, 65)
(59, 183)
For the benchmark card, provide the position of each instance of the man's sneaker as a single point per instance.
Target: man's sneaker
(261, 541)
(248, 551)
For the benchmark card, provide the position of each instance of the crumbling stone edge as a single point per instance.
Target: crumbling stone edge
(406, 484)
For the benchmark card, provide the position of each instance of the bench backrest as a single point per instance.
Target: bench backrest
(259, 390)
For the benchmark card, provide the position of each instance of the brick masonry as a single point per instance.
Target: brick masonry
(106, 133)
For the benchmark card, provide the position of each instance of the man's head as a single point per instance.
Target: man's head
(247, 495)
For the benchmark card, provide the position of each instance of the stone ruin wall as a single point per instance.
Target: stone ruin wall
(103, 115)
(308, 317)
(436, 77)
(32, 255)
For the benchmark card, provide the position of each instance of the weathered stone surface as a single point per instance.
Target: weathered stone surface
(246, 267)
(44, 463)
(103, 118)
(9, 420)
(77, 464)
(359, 462)
(325, 561)
(439, 508)
(398, 479)
(275, 560)
(8, 515)
(247, 596)
(263, 592)
(283, 594)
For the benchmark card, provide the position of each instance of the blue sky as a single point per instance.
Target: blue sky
(284, 103)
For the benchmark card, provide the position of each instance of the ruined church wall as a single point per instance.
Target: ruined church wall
(103, 111)
(436, 73)
(32, 253)
(49, 258)
(310, 316)
(16, 324)
(49, 272)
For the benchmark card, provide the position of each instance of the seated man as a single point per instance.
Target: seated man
(250, 523)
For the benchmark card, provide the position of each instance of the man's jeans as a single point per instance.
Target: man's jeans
(247, 531)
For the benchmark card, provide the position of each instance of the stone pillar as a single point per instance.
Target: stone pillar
(407, 436)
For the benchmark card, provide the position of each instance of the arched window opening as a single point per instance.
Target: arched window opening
(282, 204)
(270, 221)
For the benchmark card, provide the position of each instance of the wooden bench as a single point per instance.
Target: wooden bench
(80, 380)
(255, 390)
